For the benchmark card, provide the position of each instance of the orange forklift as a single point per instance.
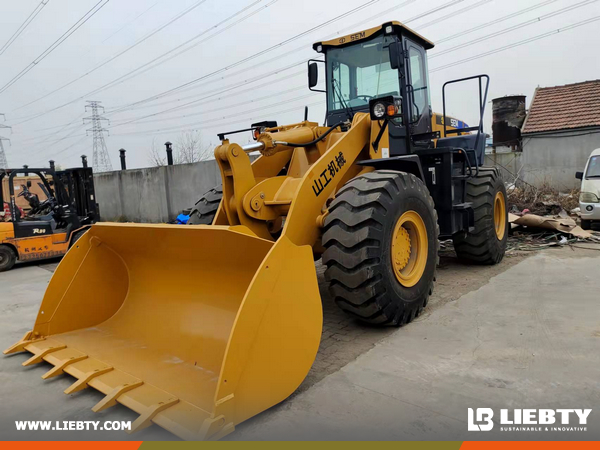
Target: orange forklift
(34, 229)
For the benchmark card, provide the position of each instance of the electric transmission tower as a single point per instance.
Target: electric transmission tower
(3, 162)
(100, 159)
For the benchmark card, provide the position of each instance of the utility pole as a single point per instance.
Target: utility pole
(3, 162)
(100, 159)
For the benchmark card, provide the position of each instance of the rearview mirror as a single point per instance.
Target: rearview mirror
(313, 75)
(395, 49)
(579, 175)
(28, 183)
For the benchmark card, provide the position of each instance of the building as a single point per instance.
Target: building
(562, 128)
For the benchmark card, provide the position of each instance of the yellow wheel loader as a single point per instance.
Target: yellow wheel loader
(231, 325)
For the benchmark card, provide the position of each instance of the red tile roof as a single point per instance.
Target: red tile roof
(564, 107)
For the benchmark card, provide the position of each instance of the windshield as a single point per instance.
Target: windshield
(360, 72)
(593, 170)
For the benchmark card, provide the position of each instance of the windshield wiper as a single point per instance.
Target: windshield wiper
(337, 90)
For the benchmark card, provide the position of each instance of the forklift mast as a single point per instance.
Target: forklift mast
(71, 189)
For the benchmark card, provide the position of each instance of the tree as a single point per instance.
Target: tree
(187, 149)
(156, 155)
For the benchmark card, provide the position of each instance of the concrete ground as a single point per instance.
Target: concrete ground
(523, 334)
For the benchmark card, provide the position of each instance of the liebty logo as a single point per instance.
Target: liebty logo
(483, 415)
(529, 419)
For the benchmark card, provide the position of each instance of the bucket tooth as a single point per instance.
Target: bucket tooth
(145, 419)
(61, 360)
(40, 350)
(86, 377)
(111, 397)
(20, 345)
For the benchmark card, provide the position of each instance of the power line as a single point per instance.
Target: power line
(112, 58)
(455, 13)
(530, 22)
(514, 27)
(130, 22)
(516, 44)
(112, 83)
(24, 25)
(188, 104)
(87, 16)
(282, 43)
(272, 113)
(495, 21)
(179, 89)
(62, 127)
(56, 141)
(200, 101)
(212, 111)
(67, 148)
(131, 74)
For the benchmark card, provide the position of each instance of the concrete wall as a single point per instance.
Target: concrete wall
(158, 194)
(155, 194)
(555, 158)
(509, 163)
(551, 158)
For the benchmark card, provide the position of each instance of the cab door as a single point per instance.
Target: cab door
(417, 88)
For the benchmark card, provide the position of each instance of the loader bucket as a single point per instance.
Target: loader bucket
(195, 328)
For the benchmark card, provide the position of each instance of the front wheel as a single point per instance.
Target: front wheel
(381, 247)
(8, 258)
(205, 209)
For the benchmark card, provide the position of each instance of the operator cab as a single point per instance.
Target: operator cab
(388, 63)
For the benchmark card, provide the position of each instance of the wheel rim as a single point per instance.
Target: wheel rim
(409, 248)
(500, 215)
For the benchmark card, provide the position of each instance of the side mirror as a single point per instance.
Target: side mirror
(395, 49)
(313, 75)
(579, 175)
(28, 183)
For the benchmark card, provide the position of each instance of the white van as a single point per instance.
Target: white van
(589, 199)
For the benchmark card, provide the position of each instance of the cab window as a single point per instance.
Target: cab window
(360, 72)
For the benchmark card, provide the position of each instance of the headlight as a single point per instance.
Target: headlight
(379, 110)
(588, 197)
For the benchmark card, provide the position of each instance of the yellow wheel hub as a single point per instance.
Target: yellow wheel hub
(500, 215)
(409, 248)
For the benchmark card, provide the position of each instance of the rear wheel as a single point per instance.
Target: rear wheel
(486, 244)
(76, 237)
(7, 258)
(381, 247)
(205, 209)
(586, 224)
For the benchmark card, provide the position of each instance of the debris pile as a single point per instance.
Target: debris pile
(543, 217)
(542, 200)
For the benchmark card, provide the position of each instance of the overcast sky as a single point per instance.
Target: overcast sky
(269, 86)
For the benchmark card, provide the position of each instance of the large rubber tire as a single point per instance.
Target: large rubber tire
(482, 245)
(205, 209)
(357, 238)
(8, 258)
(586, 224)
